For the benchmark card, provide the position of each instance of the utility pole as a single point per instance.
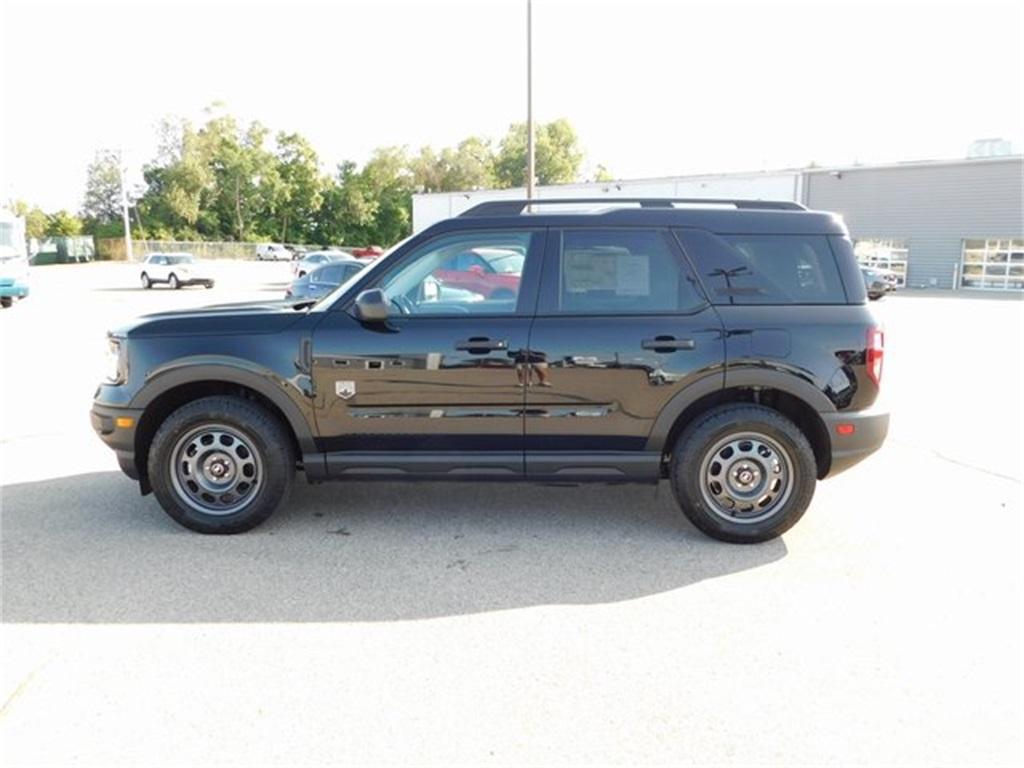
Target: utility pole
(124, 209)
(530, 170)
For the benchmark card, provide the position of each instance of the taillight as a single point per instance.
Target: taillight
(876, 350)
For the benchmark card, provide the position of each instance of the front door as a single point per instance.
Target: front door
(436, 389)
(622, 327)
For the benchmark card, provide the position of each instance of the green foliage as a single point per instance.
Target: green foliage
(103, 188)
(470, 165)
(557, 156)
(63, 224)
(300, 191)
(224, 180)
(36, 221)
(602, 174)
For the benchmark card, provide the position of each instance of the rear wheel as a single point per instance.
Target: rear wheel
(172, 281)
(6, 302)
(146, 282)
(221, 465)
(743, 473)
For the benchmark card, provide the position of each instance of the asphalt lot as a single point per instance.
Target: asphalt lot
(483, 624)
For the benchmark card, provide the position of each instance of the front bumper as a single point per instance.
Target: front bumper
(869, 430)
(116, 427)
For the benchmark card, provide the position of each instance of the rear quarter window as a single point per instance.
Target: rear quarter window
(764, 269)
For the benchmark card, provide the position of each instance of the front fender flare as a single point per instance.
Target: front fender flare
(286, 394)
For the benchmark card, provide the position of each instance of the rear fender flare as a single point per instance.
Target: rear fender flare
(734, 379)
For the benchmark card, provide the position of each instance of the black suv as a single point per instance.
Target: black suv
(724, 345)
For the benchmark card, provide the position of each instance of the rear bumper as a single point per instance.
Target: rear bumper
(869, 430)
(16, 289)
(116, 435)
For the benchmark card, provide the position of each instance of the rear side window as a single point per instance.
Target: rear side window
(618, 271)
(765, 269)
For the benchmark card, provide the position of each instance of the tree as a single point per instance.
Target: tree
(468, 166)
(602, 174)
(103, 188)
(178, 197)
(556, 150)
(36, 221)
(347, 211)
(301, 186)
(387, 180)
(63, 224)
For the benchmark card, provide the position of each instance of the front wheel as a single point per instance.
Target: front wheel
(172, 281)
(743, 473)
(146, 282)
(6, 302)
(221, 465)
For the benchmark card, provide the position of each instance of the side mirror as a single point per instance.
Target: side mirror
(372, 306)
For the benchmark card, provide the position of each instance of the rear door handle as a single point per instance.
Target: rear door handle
(478, 345)
(667, 344)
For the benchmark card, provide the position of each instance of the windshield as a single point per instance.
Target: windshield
(6, 233)
(374, 265)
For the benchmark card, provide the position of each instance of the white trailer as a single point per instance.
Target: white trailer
(777, 185)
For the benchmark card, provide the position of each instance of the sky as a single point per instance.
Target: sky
(652, 88)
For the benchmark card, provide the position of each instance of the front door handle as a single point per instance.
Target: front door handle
(479, 345)
(667, 344)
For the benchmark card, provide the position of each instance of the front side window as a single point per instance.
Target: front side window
(765, 269)
(618, 272)
(426, 283)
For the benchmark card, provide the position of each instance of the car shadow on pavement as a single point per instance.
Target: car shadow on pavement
(88, 549)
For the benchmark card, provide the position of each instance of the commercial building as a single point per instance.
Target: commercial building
(938, 224)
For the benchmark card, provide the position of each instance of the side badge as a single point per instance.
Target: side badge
(344, 389)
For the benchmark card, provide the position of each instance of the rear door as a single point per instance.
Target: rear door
(622, 327)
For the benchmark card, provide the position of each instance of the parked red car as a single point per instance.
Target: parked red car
(494, 273)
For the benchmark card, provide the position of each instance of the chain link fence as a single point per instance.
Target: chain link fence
(113, 249)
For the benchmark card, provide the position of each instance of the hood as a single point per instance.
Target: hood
(271, 316)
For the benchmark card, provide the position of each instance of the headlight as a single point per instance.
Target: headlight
(115, 368)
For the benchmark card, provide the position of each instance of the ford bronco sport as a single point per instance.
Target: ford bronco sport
(725, 346)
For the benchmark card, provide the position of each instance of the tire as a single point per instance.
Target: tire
(744, 449)
(248, 442)
(172, 282)
(209, 284)
(6, 302)
(146, 282)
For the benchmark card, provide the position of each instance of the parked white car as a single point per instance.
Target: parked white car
(272, 252)
(174, 269)
(315, 259)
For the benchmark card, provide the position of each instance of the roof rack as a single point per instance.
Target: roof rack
(516, 207)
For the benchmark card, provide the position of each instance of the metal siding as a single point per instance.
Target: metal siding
(933, 207)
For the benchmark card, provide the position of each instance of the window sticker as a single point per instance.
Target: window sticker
(633, 275)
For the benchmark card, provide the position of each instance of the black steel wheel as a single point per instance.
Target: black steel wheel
(743, 473)
(221, 465)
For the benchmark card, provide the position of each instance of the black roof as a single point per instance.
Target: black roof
(720, 216)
